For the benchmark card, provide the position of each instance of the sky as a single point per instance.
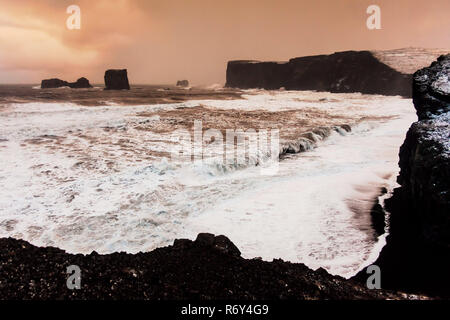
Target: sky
(162, 41)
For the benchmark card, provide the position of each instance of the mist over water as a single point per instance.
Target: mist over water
(100, 178)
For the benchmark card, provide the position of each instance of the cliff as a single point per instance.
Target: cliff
(254, 74)
(349, 71)
(418, 247)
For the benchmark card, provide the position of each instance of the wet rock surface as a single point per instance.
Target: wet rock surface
(378, 218)
(431, 89)
(416, 257)
(208, 268)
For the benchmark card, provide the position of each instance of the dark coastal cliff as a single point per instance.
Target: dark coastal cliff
(417, 254)
(246, 74)
(341, 72)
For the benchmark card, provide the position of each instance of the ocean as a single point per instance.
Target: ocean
(87, 169)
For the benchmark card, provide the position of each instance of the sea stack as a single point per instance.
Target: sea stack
(58, 83)
(116, 79)
(182, 83)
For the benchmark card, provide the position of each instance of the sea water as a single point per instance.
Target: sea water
(86, 178)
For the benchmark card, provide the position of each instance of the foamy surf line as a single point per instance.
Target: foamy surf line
(94, 178)
(302, 215)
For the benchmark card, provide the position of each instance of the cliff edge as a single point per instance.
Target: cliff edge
(341, 72)
(416, 257)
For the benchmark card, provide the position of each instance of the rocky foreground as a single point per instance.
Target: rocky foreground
(416, 258)
(208, 268)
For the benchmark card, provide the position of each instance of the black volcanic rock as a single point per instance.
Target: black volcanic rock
(425, 154)
(116, 80)
(187, 270)
(431, 88)
(57, 83)
(81, 83)
(53, 83)
(182, 83)
(416, 257)
(221, 243)
(349, 71)
(246, 74)
(377, 215)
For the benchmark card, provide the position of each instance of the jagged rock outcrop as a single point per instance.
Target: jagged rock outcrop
(57, 83)
(53, 83)
(81, 83)
(208, 268)
(416, 256)
(425, 154)
(431, 89)
(349, 71)
(116, 79)
(182, 83)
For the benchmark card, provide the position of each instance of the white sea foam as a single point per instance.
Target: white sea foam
(305, 212)
(101, 187)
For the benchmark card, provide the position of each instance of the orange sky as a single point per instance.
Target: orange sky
(162, 41)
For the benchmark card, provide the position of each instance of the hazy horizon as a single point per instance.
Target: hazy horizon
(160, 42)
